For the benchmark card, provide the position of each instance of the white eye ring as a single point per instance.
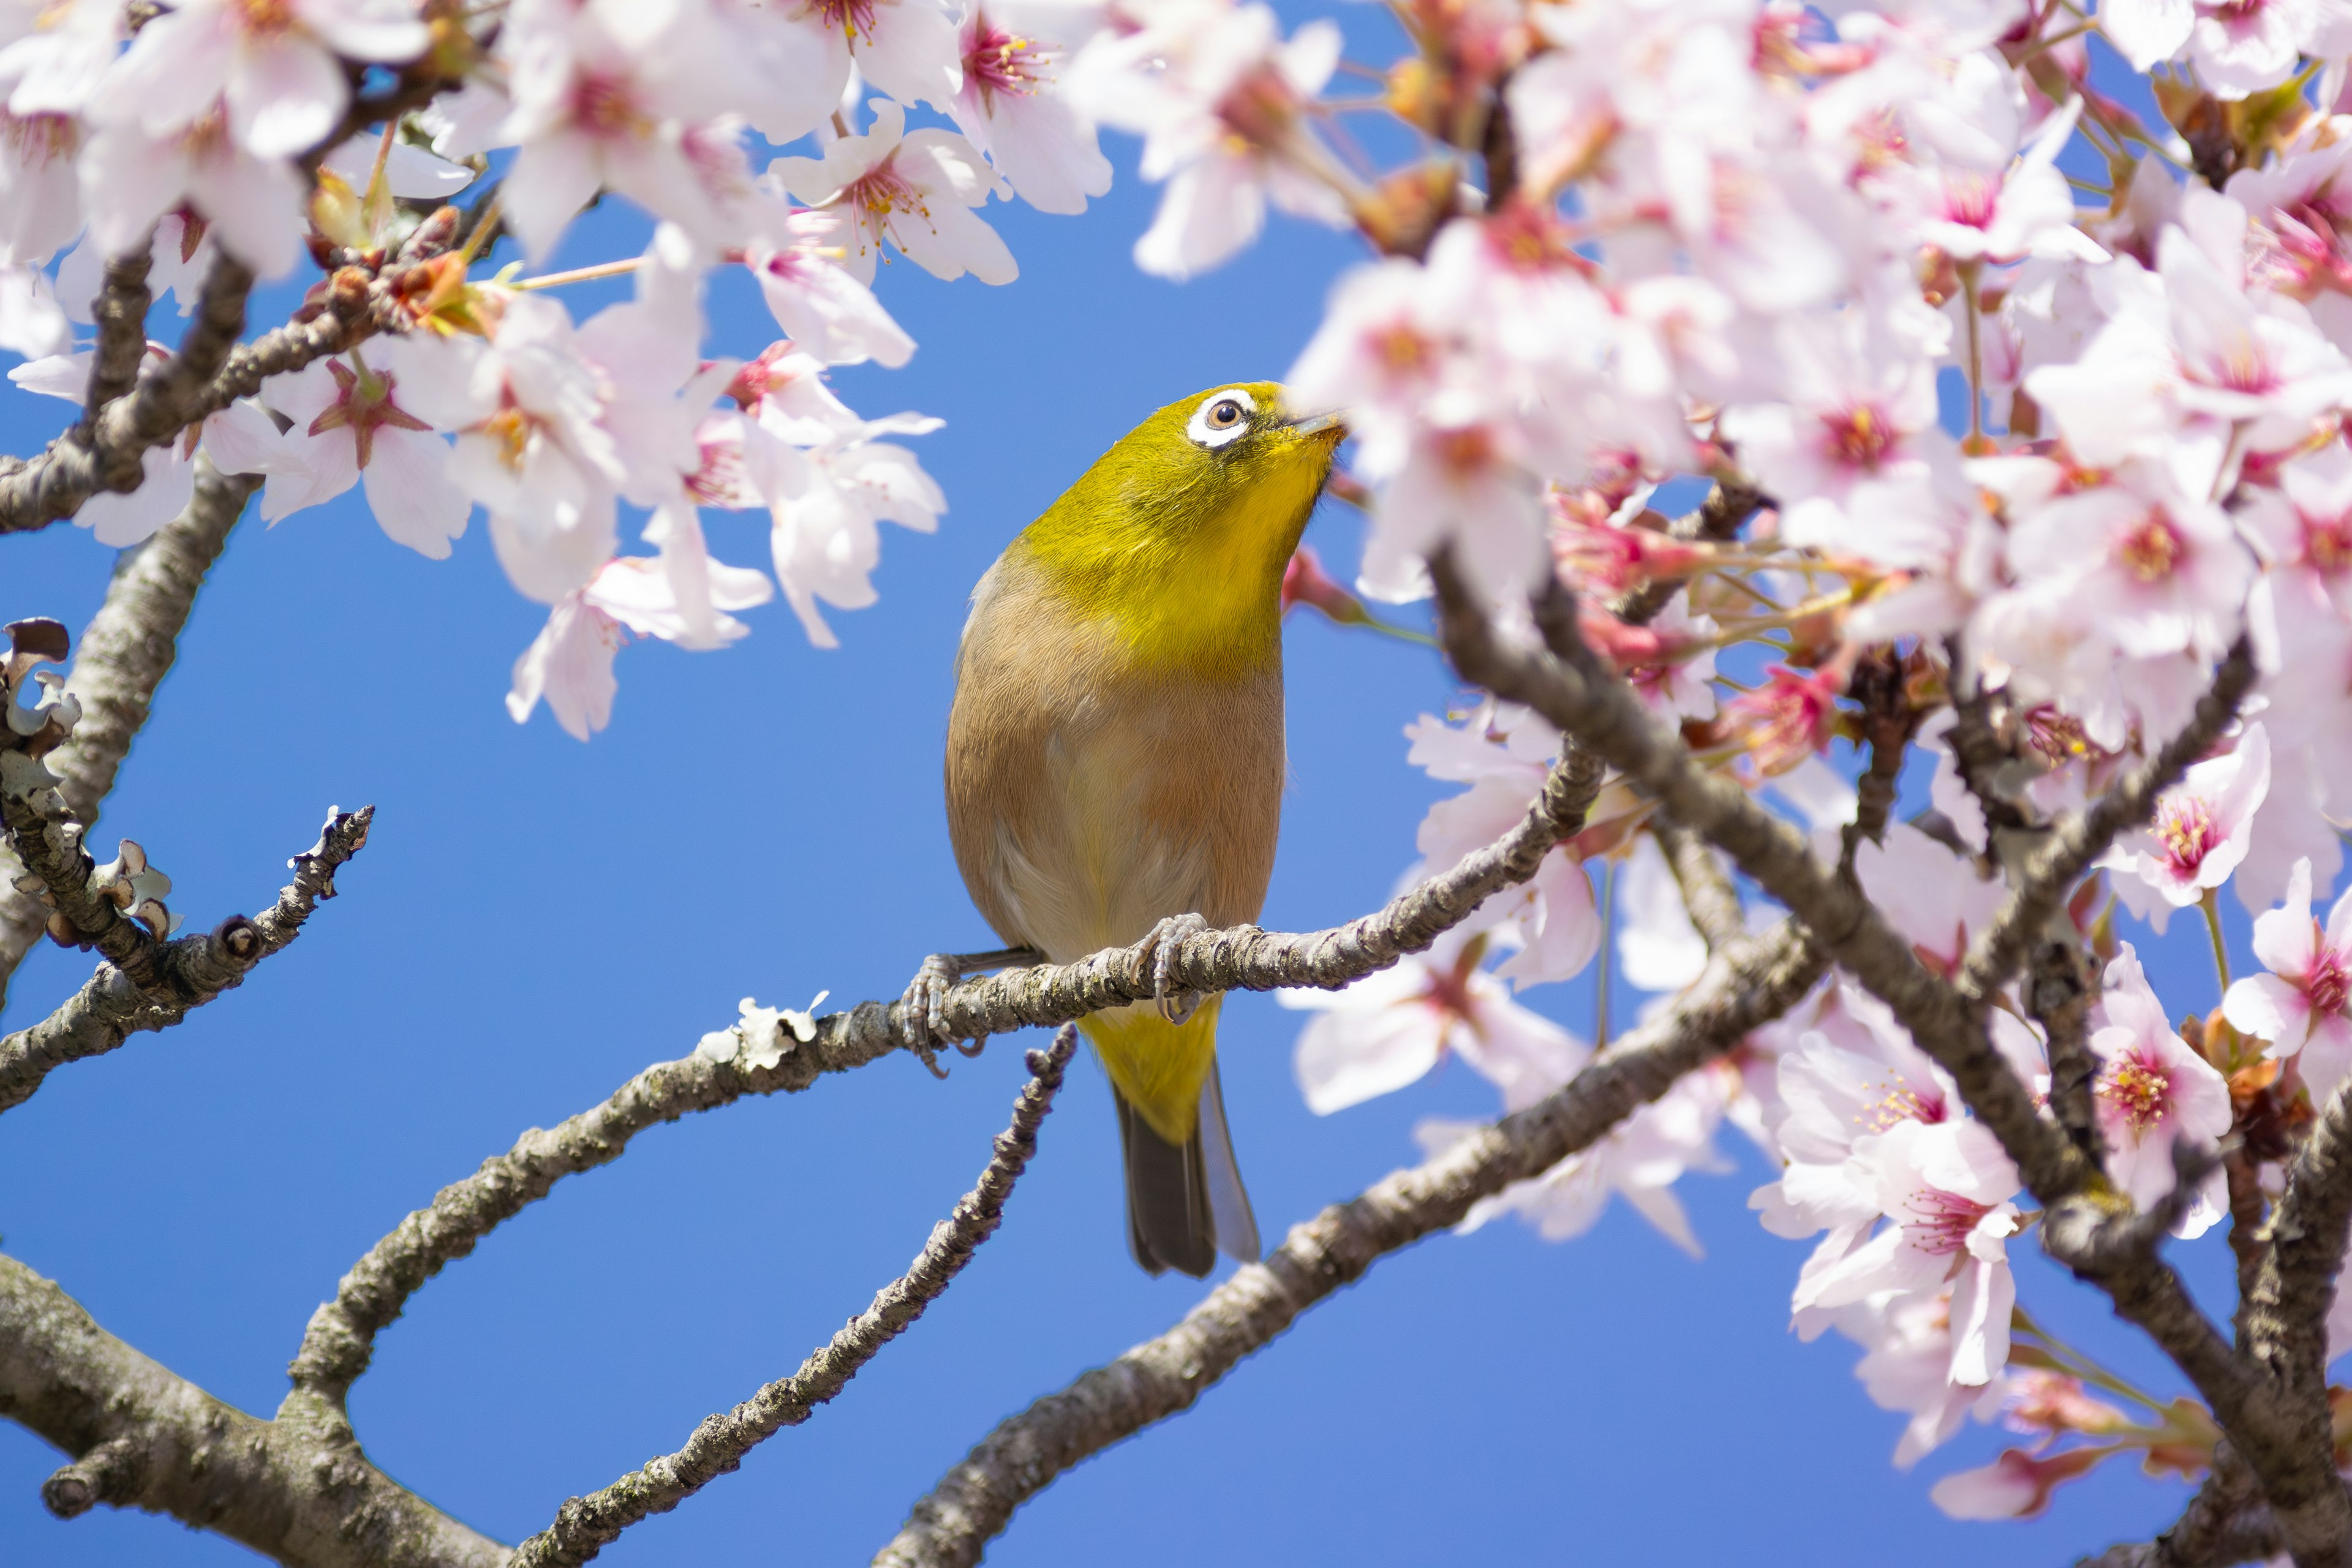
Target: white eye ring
(1222, 417)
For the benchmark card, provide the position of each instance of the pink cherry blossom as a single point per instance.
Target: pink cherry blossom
(1503, 754)
(1392, 1028)
(2153, 1091)
(1219, 99)
(274, 66)
(592, 108)
(130, 178)
(2300, 1007)
(570, 663)
(826, 540)
(348, 428)
(2201, 832)
(1943, 1189)
(1640, 1159)
(915, 190)
(818, 304)
(1908, 1368)
(2016, 1486)
(1011, 107)
(526, 406)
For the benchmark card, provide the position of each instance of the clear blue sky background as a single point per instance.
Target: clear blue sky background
(535, 920)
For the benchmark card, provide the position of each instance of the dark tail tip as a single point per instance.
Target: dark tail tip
(1169, 1222)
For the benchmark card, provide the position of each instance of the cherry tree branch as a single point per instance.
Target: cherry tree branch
(341, 1339)
(1708, 894)
(125, 652)
(207, 373)
(2279, 1426)
(587, 1525)
(119, 313)
(1571, 688)
(141, 1436)
(110, 1007)
(1748, 986)
(2050, 873)
(2227, 1523)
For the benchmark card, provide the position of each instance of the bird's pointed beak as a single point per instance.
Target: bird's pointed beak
(1321, 425)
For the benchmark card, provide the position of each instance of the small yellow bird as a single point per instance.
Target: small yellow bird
(1115, 759)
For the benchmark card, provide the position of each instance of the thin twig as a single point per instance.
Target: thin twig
(341, 1339)
(584, 1526)
(110, 1008)
(951, 1527)
(123, 655)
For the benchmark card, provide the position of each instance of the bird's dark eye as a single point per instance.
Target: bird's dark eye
(1222, 417)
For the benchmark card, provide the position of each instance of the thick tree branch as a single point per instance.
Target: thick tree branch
(109, 1008)
(119, 313)
(104, 453)
(587, 1525)
(2050, 873)
(2087, 1224)
(2227, 1523)
(1569, 689)
(125, 653)
(1746, 988)
(145, 1438)
(341, 1338)
(1708, 893)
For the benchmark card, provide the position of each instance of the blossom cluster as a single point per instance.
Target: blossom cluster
(213, 129)
(2049, 463)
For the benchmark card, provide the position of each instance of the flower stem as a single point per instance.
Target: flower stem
(580, 274)
(1608, 935)
(2212, 908)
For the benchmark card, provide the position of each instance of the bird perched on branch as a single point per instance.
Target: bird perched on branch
(1115, 762)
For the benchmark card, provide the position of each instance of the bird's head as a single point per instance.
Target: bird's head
(1181, 532)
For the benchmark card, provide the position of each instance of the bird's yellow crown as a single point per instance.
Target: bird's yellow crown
(1179, 534)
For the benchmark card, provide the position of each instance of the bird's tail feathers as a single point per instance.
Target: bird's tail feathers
(1170, 1223)
(1229, 1202)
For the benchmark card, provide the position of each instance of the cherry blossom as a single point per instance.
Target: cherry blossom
(1640, 1159)
(348, 427)
(132, 177)
(913, 189)
(1505, 755)
(591, 109)
(526, 405)
(1908, 1368)
(2152, 1091)
(1392, 1028)
(570, 663)
(1219, 98)
(825, 541)
(2201, 832)
(1944, 1190)
(1009, 107)
(818, 304)
(2300, 1007)
(274, 67)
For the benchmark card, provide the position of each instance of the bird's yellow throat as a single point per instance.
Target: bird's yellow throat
(1184, 558)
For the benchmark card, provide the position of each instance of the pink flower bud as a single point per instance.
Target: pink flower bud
(1304, 582)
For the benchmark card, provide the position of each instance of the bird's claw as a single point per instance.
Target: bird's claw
(1176, 1004)
(922, 1012)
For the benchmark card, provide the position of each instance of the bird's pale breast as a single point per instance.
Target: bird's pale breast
(1090, 797)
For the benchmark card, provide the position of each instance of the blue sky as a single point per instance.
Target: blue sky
(536, 920)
